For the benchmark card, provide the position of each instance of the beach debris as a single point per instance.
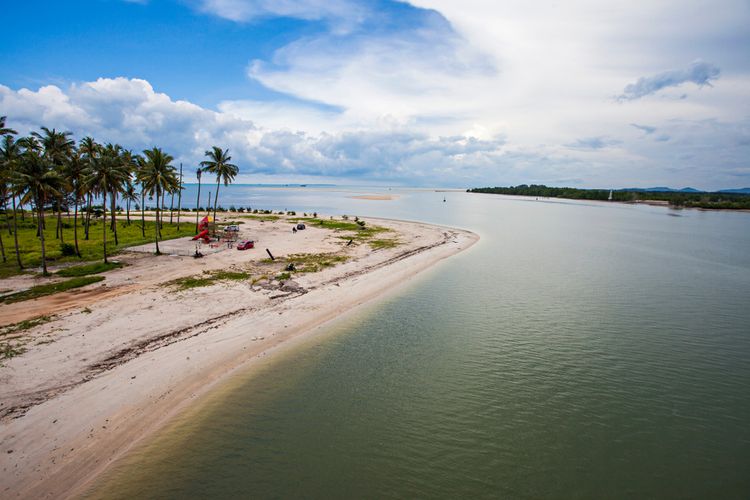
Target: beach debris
(290, 267)
(270, 254)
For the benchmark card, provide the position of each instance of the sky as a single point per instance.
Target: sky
(445, 93)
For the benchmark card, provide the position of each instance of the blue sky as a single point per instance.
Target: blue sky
(427, 92)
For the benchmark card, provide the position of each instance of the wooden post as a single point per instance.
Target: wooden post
(270, 254)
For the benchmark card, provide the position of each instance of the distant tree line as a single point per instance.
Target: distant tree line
(733, 201)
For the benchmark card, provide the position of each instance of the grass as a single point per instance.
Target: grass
(311, 262)
(51, 288)
(263, 217)
(8, 350)
(91, 250)
(24, 325)
(352, 231)
(87, 269)
(208, 278)
(383, 243)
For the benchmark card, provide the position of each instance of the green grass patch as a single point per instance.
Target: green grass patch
(352, 230)
(208, 278)
(310, 262)
(87, 269)
(24, 325)
(383, 243)
(91, 249)
(283, 276)
(8, 350)
(51, 288)
(261, 217)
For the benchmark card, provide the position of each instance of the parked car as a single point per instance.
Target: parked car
(300, 226)
(245, 244)
(233, 228)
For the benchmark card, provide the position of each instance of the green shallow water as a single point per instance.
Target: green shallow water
(578, 350)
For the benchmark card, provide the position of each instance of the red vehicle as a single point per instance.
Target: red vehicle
(245, 244)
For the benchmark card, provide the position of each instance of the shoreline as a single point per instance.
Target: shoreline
(51, 449)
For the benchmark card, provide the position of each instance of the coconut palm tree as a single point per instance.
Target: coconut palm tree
(73, 171)
(107, 175)
(129, 194)
(57, 147)
(158, 177)
(38, 182)
(218, 164)
(89, 150)
(140, 163)
(10, 154)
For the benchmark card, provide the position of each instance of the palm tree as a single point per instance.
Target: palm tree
(73, 171)
(57, 148)
(10, 154)
(158, 177)
(39, 182)
(3, 129)
(140, 163)
(198, 202)
(218, 163)
(129, 195)
(89, 150)
(107, 176)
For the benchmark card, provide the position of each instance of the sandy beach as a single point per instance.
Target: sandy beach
(119, 358)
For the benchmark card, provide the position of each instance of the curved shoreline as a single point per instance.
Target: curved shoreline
(158, 384)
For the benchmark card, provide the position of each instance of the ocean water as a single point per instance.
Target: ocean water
(579, 350)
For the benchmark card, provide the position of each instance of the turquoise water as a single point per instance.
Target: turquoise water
(579, 350)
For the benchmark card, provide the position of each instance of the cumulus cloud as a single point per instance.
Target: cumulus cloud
(132, 113)
(699, 72)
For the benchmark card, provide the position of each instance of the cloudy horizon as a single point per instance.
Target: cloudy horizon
(419, 93)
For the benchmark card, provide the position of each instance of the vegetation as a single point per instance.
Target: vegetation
(49, 173)
(309, 262)
(22, 326)
(357, 231)
(88, 269)
(218, 164)
(51, 288)
(208, 278)
(674, 198)
(89, 250)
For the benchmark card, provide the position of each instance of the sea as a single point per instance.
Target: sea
(578, 350)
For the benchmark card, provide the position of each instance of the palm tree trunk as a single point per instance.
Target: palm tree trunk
(40, 224)
(15, 235)
(143, 212)
(127, 210)
(75, 224)
(88, 216)
(171, 208)
(216, 199)
(157, 223)
(2, 248)
(179, 201)
(197, 207)
(59, 223)
(104, 225)
(114, 216)
(7, 217)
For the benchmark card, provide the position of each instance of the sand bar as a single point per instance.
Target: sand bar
(114, 366)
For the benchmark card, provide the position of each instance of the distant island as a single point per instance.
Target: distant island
(731, 199)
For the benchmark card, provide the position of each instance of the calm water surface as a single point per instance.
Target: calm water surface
(579, 350)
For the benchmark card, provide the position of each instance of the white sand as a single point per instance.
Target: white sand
(120, 359)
